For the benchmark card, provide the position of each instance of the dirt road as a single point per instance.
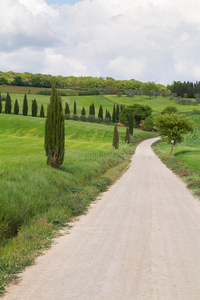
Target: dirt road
(140, 241)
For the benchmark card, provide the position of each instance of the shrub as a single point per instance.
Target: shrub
(67, 116)
(91, 118)
(75, 117)
(83, 118)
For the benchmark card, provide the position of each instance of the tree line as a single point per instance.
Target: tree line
(185, 89)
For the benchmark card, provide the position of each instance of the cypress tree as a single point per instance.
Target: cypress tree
(127, 137)
(0, 104)
(55, 131)
(42, 111)
(114, 114)
(8, 105)
(16, 107)
(100, 114)
(117, 113)
(115, 138)
(25, 106)
(109, 116)
(131, 123)
(34, 108)
(67, 110)
(75, 107)
(83, 112)
(92, 110)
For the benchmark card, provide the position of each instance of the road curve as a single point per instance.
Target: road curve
(140, 241)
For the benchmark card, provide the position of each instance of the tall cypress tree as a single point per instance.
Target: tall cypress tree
(83, 112)
(34, 108)
(115, 138)
(67, 110)
(8, 105)
(100, 114)
(114, 114)
(127, 137)
(55, 131)
(25, 106)
(16, 107)
(42, 111)
(75, 107)
(131, 123)
(117, 113)
(0, 104)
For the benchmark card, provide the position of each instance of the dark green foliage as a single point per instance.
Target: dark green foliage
(0, 104)
(115, 138)
(83, 112)
(117, 113)
(42, 111)
(34, 108)
(127, 137)
(16, 107)
(100, 114)
(55, 131)
(114, 114)
(89, 92)
(92, 110)
(8, 105)
(169, 110)
(75, 107)
(67, 110)
(107, 117)
(140, 112)
(148, 123)
(121, 107)
(91, 118)
(131, 123)
(25, 106)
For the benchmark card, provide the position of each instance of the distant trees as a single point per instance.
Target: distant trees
(149, 88)
(67, 110)
(183, 89)
(16, 107)
(34, 108)
(169, 110)
(55, 131)
(172, 127)
(25, 106)
(8, 104)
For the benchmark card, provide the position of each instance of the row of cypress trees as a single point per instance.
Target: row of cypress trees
(8, 106)
(115, 115)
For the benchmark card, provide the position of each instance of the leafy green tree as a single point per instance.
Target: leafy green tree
(100, 114)
(114, 114)
(17, 81)
(149, 88)
(75, 107)
(67, 110)
(148, 123)
(25, 106)
(42, 111)
(115, 138)
(0, 104)
(140, 112)
(8, 104)
(127, 137)
(169, 110)
(55, 131)
(16, 107)
(172, 127)
(34, 108)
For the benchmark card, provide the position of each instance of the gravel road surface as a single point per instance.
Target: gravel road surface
(140, 241)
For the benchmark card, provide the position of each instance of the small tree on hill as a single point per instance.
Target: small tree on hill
(8, 104)
(55, 131)
(34, 108)
(25, 106)
(100, 114)
(172, 127)
(83, 114)
(67, 110)
(114, 114)
(127, 137)
(16, 107)
(131, 123)
(75, 107)
(0, 104)
(117, 113)
(115, 138)
(42, 111)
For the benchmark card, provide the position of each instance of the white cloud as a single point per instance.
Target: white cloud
(149, 40)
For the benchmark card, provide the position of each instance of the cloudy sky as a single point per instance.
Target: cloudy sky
(148, 40)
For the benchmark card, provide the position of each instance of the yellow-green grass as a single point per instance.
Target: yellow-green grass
(156, 103)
